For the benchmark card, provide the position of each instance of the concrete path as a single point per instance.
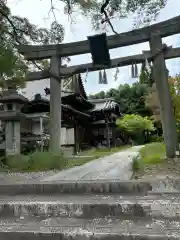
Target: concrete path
(115, 166)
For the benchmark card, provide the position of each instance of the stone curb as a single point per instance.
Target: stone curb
(129, 187)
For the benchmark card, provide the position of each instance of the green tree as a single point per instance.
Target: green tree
(152, 99)
(100, 95)
(146, 77)
(135, 123)
(112, 93)
(144, 11)
(134, 99)
(16, 30)
(99, 12)
(136, 126)
(12, 68)
(131, 98)
(175, 93)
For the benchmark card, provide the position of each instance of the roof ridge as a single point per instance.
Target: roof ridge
(81, 84)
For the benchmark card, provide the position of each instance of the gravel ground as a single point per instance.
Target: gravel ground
(24, 177)
(169, 169)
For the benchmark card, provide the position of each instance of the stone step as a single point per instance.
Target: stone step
(90, 206)
(134, 187)
(105, 229)
(80, 187)
(165, 185)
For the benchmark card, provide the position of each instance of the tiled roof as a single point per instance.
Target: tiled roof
(103, 104)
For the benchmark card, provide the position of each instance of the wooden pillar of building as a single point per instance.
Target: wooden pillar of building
(55, 106)
(114, 134)
(107, 133)
(41, 132)
(163, 90)
(76, 138)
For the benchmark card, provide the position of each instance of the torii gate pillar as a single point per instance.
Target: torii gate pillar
(163, 90)
(55, 106)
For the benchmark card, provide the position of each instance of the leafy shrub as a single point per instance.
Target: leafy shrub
(136, 164)
(18, 162)
(136, 127)
(135, 123)
(156, 138)
(38, 161)
(47, 161)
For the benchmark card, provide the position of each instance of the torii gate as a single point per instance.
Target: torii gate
(153, 34)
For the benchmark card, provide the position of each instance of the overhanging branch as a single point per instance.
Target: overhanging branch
(103, 11)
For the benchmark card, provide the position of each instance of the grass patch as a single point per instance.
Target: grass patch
(150, 156)
(153, 153)
(44, 161)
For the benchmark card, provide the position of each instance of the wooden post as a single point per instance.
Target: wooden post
(55, 106)
(107, 133)
(163, 90)
(41, 132)
(76, 138)
(114, 134)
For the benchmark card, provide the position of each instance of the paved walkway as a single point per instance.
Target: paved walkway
(116, 166)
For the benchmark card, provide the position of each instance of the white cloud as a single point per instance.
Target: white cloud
(36, 11)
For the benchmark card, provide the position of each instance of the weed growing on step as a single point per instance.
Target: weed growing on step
(136, 164)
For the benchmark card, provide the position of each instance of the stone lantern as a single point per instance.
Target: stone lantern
(11, 116)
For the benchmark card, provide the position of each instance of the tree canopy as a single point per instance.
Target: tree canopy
(135, 127)
(144, 11)
(146, 77)
(16, 30)
(100, 12)
(152, 99)
(135, 123)
(130, 97)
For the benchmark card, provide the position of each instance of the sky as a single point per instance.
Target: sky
(37, 11)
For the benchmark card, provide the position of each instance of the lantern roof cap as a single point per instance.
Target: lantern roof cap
(11, 95)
